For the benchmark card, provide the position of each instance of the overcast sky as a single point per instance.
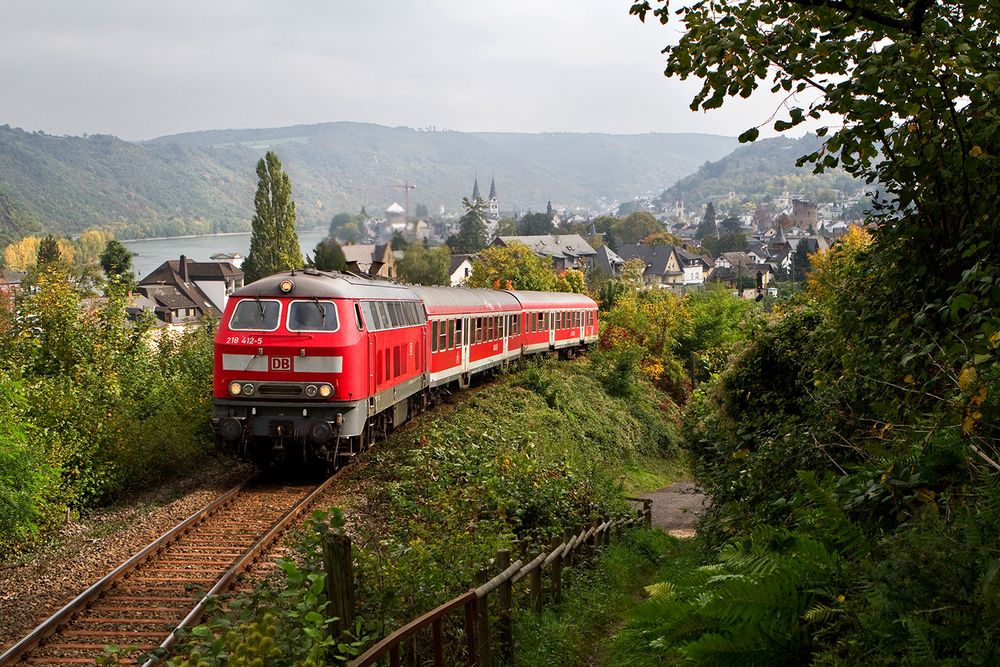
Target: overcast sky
(140, 69)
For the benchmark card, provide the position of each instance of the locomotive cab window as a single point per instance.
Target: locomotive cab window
(255, 315)
(312, 316)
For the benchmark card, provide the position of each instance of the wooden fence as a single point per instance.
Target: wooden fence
(475, 601)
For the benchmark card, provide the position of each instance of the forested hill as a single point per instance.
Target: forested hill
(760, 170)
(204, 181)
(344, 164)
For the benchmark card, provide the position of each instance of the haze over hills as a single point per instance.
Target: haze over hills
(203, 182)
(761, 171)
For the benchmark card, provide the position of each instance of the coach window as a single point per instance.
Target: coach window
(255, 315)
(434, 336)
(442, 331)
(478, 336)
(458, 333)
(451, 334)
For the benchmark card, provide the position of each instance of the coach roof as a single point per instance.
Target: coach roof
(445, 300)
(309, 283)
(530, 299)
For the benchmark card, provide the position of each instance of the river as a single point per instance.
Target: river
(150, 253)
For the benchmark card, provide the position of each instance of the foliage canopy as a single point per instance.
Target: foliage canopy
(274, 244)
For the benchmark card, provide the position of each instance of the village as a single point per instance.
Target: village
(663, 249)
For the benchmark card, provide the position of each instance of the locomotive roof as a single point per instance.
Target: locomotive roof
(310, 283)
(441, 300)
(533, 299)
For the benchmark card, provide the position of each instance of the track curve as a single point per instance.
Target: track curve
(163, 588)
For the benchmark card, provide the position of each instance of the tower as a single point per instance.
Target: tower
(475, 190)
(494, 204)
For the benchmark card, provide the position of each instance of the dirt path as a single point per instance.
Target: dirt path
(676, 508)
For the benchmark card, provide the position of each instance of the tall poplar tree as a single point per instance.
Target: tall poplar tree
(274, 244)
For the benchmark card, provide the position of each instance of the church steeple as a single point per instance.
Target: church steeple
(475, 190)
(494, 203)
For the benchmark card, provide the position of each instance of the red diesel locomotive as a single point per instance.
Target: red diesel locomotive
(312, 365)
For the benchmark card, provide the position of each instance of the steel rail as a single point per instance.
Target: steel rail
(242, 563)
(74, 606)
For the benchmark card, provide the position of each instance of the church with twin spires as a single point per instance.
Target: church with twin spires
(492, 204)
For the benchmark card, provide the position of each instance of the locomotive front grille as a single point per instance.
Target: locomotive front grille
(279, 390)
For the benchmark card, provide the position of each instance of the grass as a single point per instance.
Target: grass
(596, 602)
(650, 473)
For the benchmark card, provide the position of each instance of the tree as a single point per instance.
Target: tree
(730, 224)
(328, 256)
(90, 245)
(274, 244)
(634, 227)
(398, 241)
(421, 212)
(913, 90)
(48, 251)
(116, 260)
(571, 280)
(425, 266)
(347, 227)
(631, 272)
(707, 226)
(507, 227)
(21, 255)
(715, 246)
(471, 237)
(535, 224)
(662, 238)
(515, 266)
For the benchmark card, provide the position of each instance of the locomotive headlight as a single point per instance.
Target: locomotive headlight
(235, 388)
(248, 389)
(325, 390)
(311, 390)
(286, 286)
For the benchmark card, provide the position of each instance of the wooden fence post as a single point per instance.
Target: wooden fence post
(339, 581)
(535, 583)
(483, 622)
(556, 572)
(505, 627)
(471, 636)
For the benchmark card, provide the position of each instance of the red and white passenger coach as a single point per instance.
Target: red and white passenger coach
(312, 364)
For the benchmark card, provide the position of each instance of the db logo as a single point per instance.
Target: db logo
(281, 363)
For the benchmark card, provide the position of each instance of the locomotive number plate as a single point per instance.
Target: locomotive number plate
(281, 363)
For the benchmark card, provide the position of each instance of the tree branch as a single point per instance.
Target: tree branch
(914, 24)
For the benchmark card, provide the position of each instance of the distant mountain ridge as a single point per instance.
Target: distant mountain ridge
(760, 171)
(203, 182)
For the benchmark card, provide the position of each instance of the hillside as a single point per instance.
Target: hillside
(204, 181)
(760, 171)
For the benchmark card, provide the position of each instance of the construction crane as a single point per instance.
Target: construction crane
(406, 186)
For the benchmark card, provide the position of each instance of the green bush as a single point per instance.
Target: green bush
(105, 406)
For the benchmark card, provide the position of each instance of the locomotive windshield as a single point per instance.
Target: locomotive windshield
(312, 316)
(255, 315)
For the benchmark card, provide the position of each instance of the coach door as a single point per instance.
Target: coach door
(372, 365)
(550, 320)
(464, 338)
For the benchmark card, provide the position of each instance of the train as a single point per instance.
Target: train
(313, 366)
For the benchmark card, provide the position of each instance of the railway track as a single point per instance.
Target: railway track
(165, 587)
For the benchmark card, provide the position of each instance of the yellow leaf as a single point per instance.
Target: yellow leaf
(975, 151)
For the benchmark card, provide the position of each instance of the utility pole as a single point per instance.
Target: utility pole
(406, 187)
